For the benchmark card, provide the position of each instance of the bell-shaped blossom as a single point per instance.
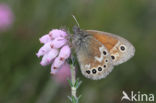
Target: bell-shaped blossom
(54, 71)
(44, 49)
(58, 42)
(65, 52)
(63, 74)
(55, 33)
(58, 62)
(45, 39)
(52, 54)
(47, 58)
(44, 60)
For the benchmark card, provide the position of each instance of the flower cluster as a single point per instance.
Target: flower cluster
(55, 49)
(6, 17)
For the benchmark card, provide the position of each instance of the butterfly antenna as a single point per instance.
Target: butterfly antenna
(76, 20)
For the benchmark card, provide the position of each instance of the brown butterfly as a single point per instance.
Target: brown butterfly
(98, 52)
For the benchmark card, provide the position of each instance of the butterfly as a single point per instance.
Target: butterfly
(98, 52)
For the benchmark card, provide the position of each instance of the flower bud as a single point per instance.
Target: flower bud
(55, 33)
(65, 52)
(54, 70)
(63, 74)
(58, 42)
(44, 49)
(58, 63)
(45, 39)
(51, 55)
(44, 60)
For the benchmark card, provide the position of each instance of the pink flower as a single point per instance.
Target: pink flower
(58, 42)
(45, 39)
(6, 17)
(48, 57)
(44, 61)
(55, 50)
(57, 33)
(65, 52)
(44, 49)
(63, 74)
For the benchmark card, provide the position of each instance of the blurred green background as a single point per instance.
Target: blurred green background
(23, 80)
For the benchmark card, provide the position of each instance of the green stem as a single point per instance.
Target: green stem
(73, 80)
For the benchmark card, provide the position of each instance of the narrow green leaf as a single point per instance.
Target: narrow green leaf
(78, 85)
(79, 97)
(70, 98)
(74, 99)
(70, 83)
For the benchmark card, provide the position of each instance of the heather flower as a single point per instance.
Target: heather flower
(63, 74)
(6, 17)
(55, 43)
(44, 49)
(58, 42)
(57, 33)
(48, 57)
(65, 52)
(55, 50)
(45, 39)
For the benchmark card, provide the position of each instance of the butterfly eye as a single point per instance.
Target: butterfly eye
(94, 71)
(85, 36)
(122, 48)
(99, 69)
(104, 66)
(106, 60)
(88, 71)
(104, 52)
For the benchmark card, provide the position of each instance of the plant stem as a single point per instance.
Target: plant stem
(73, 80)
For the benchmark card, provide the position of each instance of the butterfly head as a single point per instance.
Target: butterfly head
(79, 36)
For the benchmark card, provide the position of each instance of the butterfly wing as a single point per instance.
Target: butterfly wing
(94, 59)
(119, 48)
